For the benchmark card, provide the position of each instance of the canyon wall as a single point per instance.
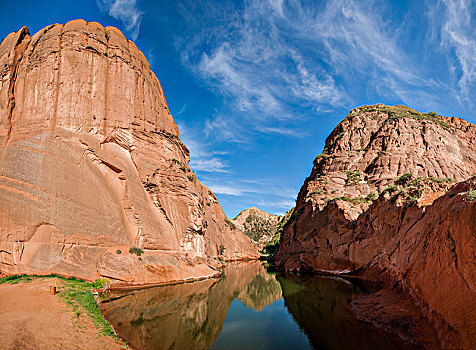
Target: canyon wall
(91, 165)
(383, 201)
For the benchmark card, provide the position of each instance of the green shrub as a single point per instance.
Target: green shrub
(353, 178)
(318, 192)
(118, 251)
(100, 283)
(440, 179)
(415, 196)
(471, 195)
(403, 179)
(371, 197)
(231, 224)
(136, 251)
(169, 134)
(222, 249)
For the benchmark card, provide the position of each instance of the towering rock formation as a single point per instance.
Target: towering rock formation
(257, 224)
(91, 165)
(381, 202)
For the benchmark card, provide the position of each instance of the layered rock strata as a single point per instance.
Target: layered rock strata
(381, 202)
(91, 165)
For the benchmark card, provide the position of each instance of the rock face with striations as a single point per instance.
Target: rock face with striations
(381, 202)
(91, 164)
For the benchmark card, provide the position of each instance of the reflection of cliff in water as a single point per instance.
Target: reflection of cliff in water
(320, 305)
(188, 316)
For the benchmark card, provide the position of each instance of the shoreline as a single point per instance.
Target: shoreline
(58, 321)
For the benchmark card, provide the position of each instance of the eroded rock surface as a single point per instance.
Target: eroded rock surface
(91, 164)
(381, 202)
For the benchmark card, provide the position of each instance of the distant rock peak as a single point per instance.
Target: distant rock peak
(257, 224)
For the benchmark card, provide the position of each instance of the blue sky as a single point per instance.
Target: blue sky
(256, 86)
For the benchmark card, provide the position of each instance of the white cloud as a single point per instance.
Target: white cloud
(126, 11)
(245, 186)
(277, 204)
(285, 131)
(266, 56)
(209, 164)
(229, 190)
(257, 71)
(454, 27)
(203, 157)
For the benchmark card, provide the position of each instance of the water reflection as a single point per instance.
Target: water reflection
(320, 305)
(188, 316)
(247, 308)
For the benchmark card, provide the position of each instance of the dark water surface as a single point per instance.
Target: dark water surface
(248, 308)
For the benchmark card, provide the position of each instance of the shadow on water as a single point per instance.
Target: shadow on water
(248, 308)
(320, 306)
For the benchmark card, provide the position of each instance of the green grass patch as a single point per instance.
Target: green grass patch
(77, 294)
(13, 279)
(440, 179)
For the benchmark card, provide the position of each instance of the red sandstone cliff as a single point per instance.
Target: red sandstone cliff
(91, 164)
(357, 214)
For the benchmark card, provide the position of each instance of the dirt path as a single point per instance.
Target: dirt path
(31, 318)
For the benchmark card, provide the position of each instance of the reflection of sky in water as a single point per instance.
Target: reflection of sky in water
(272, 328)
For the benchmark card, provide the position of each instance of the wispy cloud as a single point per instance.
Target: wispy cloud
(257, 70)
(453, 26)
(126, 11)
(246, 186)
(275, 65)
(277, 204)
(269, 56)
(285, 131)
(203, 157)
(229, 190)
(266, 195)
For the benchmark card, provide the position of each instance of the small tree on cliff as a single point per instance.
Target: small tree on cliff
(221, 249)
